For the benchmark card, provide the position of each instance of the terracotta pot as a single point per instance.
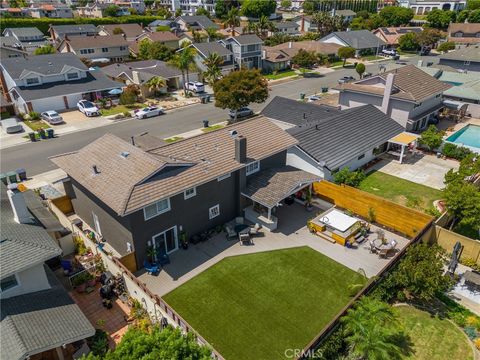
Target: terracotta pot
(81, 288)
(91, 283)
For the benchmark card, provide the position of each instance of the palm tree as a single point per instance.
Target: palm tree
(213, 72)
(233, 18)
(371, 327)
(155, 84)
(264, 24)
(178, 61)
(212, 34)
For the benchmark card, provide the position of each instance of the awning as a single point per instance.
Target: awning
(404, 138)
(270, 186)
(454, 105)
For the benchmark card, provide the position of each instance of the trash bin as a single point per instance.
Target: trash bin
(50, 133)
(208, 98)
(205, 123)
(12, 177)
(302, 96)
(42, 134)
(3, 178)
(22, 174)
(32, 137)
(203, 99)
(324, 89)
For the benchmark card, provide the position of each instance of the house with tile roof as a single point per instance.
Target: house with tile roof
(98, 49)
(51, 82)
(464, 33)
(390, 35)
(330, 139)
(38, 317)
(129, 31)
(142, 198)
(408, 95)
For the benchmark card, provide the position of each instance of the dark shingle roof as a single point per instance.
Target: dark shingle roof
(339, 139)
(212, 47)
(247, 39)
(22, 245)
(72, 29)
(358, 39)
(147, 69)
(25, 31)
(471, 53)
(297, 112)
(201, 20)
(39, 321)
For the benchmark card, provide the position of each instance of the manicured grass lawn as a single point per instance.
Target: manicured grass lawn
(401, 191)
(281, 75)
(373, 57)
(212, 128)
(256, 306)
(36, 125)
(118, 109)
(339, 63)
(173, 139)
(433, 338)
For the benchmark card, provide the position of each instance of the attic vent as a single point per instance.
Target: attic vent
(124, 154)
(233, 133)
(95, 170)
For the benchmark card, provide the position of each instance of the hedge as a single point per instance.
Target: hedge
(43, 24)
(455, 152)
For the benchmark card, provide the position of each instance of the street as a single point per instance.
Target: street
(34, 156)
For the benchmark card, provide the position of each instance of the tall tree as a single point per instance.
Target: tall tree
(156, 84)
(111, 10)
(213, 72)
(440, 19)
(233, 18)
(408, 41)
(345, 53)
(360, 69)
(396, 16)
(183, 61)
(257, 8)
(240, 88)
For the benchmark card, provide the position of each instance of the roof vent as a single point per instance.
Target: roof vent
(95, 170)
(124, 154)
(233, 133)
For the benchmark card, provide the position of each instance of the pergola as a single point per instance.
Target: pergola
(405, 139)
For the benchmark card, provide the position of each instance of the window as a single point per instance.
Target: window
(466, 63)
(251, 48)
(72, 76)
(87, 51)
(187, 194)
(223, 177)
(213, 212)
(158, 208)
(458, 34)
(8, 283)
(361, 157)
(33, 81)
(253, 167)
(104, 50)
(123, 48)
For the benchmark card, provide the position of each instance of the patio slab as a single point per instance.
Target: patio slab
(426, 169)
(292, 232)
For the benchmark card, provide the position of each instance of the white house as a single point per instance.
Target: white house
(421, 7)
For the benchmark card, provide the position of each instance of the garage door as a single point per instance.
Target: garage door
(53, 103)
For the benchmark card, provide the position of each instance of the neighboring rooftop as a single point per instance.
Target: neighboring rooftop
(358, 39)
(247, 39)
(470, 53)
(82, 42)
(295, 112)
(61, 30)
(205, 49)
(147, 69)
(128, 182)
(291, 48)
(360, 129)
(391, 34)
(130, 30)
(464, 32)
(410, 83)
(25, 31)
(346, 12)
(200, 20)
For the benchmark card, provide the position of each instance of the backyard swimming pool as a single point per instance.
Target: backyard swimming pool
(468, 136)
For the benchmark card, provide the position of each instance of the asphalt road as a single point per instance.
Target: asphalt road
(34, 156)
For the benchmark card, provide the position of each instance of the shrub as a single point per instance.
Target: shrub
(126, 113)
(471, 332)
(455, 152)
(348, 177)
(98, 343)
(34, 115)
(446, 46)
(432, 138)
(477, 343)
(80, 248)
(128, 98)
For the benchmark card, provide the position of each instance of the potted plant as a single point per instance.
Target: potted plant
(91, 280)
(183, 239)
(151, 253)
(79, 282)
(308, 200)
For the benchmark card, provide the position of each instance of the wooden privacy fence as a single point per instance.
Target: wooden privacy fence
(396, 217)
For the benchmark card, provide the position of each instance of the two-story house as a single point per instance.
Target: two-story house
(246, 49)
(408, 95)
(464, 33)
(51, 11)
(51, 82)
(58, 32)
(347, 14)
(285, 27)
(39, 320)
(166, 38)
(138, 199)
(29, 38)
(205, 49)
(97, 49)
(96, 10)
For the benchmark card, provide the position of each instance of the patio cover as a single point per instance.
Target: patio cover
(270, 186)
(454, 105)
(404, 138)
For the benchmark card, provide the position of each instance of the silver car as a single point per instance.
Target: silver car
(11, 126)
(52, 117)
(242, 112)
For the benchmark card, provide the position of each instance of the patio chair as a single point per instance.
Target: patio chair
(231, 233)
(254, 230)
(383, 253)
(245, 239)
(150, 268)
(373, 249)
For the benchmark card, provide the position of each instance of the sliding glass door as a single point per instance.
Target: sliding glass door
(166, 242)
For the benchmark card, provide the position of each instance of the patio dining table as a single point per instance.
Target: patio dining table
(242, 229)
(379, 245)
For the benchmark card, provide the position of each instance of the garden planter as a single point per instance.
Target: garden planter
(91, 283)
(81, 288)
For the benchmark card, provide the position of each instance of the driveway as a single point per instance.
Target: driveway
(426, 170)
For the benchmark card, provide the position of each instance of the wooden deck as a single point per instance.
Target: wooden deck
(292, 232)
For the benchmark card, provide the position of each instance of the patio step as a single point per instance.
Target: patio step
(319, 234)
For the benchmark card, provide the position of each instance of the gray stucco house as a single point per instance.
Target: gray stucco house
(137, 199)
(464, 59)
(247, 50)
(408, 95)
(38, 318)
(205, 49)
(363, 41)
(28, 38)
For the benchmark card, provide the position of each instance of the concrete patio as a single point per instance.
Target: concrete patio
(292, 232)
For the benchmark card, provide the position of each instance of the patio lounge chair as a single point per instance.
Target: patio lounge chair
(231, 233)
(150, 268)
(245, 239)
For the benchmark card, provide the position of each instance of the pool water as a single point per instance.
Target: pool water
(468, 136)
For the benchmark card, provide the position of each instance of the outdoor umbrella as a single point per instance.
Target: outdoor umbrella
(115, 91)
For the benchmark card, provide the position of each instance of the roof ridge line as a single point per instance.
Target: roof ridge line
(32, 243)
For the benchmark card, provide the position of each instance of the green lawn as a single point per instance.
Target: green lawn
(256, 306)
(281, 75)
(401, 191)
(213, 127)
(373, 57)
(339, 63)
(118, 109)
(433, 338)
(36, 125)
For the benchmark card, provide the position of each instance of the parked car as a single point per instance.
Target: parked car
(391, 52)
(88, 108)
(313, 98)
(367, 74)
(11, 126)
(149, 112)
(401, 62)
(346, 79)
(52, 117)
(424, 51)
(242, 112)
(195, 86)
